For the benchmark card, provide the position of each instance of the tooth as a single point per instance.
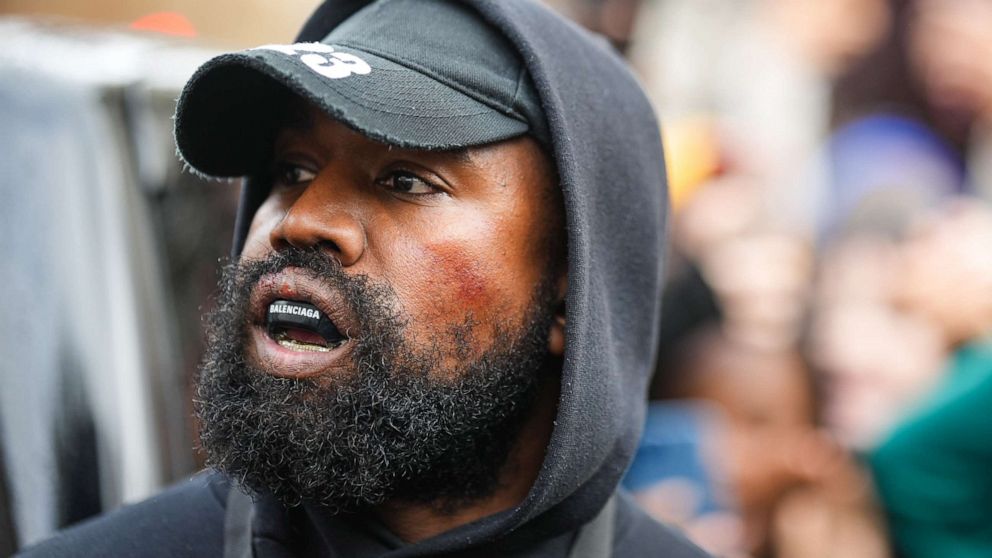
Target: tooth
(306, 347)
(294, 345)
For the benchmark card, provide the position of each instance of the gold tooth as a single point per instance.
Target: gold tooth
(294, 345)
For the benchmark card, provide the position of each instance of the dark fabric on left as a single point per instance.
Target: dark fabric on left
(185, 521)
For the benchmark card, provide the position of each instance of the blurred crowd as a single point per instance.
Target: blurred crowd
(825, 365)
(826, 360)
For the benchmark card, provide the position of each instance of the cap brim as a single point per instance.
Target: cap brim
(230, 109)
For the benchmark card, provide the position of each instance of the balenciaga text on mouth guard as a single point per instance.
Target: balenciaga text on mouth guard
(287, 314)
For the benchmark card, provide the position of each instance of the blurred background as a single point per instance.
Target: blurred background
(825, 376)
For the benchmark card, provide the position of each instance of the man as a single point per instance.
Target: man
(437, 334)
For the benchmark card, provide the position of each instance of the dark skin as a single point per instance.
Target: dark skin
(462, 236)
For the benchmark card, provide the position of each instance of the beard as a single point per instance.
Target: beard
(402, 426)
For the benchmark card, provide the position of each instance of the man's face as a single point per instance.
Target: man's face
(443, 272)
(458, 236)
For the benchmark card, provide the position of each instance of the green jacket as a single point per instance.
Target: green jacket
(934, 473)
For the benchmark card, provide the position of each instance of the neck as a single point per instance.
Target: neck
(414, 522)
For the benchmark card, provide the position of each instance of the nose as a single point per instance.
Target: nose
(321, 217)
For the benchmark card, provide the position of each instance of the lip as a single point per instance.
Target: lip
(273, 358)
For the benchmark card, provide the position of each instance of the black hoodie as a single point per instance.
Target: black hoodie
(608, 153)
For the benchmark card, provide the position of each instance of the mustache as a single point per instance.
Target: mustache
(246, 274)
(369, 302)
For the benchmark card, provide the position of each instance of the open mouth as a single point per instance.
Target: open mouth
(300, 326)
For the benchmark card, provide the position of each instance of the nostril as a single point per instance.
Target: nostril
(329, 246)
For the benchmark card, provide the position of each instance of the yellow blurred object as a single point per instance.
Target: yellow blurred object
(693, 156)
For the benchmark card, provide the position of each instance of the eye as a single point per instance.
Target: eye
(405, 182)
(286, 173)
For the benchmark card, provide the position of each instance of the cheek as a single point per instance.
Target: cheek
(457, 286)
(491, 268)
(444, 281)
(450, 282)
(465, 278)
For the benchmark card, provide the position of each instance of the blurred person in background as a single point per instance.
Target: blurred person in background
(874, 360)
(894, 156)
(780, 486)
(932, 470)
(930, 77)
(410, 204)
(755, 77)
(950, 54)
(946, 272)
(901, 328)
(759, 274)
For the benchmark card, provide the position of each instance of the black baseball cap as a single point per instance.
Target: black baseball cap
(421, 74)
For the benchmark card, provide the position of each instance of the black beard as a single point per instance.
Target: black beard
(400, 427)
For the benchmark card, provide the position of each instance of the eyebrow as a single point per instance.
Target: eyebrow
(463, 155)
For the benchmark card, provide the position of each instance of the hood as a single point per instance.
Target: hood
(607, 149)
